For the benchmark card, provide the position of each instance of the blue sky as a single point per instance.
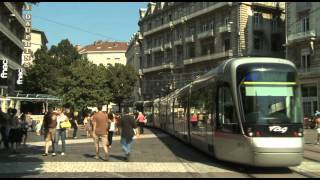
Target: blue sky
(73, 20)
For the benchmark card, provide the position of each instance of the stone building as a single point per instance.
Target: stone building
(182, 40)
(303, 48)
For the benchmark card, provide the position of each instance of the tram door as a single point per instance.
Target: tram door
(227, 136)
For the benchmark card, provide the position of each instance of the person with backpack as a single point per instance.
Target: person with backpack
(128, 127)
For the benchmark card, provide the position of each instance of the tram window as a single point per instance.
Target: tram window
(201, 109)
(227, 116)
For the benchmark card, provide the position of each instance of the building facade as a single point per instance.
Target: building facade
(134, 58)
(37, 40)
(105, 52)
(303, 48)
(182, 40)
(12, 30)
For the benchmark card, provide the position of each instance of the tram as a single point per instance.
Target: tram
(246, 110)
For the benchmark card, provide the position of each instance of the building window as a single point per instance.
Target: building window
(305, 24)
(227, 44)
(149, 26)
(211, 25)
(191, 50)
(309, 91)
(258, 43)
(170, 17)
(305, 62)
(257, 19)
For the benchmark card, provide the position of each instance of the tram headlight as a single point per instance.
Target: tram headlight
(249, 131)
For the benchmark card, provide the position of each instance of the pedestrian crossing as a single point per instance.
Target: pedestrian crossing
(119, 167)
(90, 140)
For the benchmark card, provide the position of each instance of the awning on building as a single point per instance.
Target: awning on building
(33, 97)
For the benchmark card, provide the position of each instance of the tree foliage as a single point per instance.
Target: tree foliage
(62, 72)
(122, 81)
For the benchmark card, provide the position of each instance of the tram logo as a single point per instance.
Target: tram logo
(278, 129)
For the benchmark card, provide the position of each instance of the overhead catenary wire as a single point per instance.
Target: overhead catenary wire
(76, 28)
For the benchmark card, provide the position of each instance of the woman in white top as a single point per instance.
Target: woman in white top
(112, 128)
(60, 132)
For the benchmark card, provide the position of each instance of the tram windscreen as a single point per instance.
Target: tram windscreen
(270, 96)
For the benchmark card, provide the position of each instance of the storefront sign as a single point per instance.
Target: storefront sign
(27, 52)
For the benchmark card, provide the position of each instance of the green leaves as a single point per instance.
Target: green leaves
(62, 72)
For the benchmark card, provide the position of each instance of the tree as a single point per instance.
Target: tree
(122, 81)
(62, 72)
(87, 85)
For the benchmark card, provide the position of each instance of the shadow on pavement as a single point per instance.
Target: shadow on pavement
(192, 154)
(27, 161)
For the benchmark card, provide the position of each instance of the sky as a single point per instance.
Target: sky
(85, 22)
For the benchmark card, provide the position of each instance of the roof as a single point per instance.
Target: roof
(100, 46)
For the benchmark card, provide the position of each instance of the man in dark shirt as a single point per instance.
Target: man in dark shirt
(128, 130)
(49, 129)
(100, 132)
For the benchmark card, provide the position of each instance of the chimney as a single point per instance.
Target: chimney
(142, 12)
(152, 5)
(78, 47)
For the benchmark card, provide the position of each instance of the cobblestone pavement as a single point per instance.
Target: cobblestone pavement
(154, 154)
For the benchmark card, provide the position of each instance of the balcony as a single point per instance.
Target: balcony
(301, 36)
(156, 68)
(177, 42)
(273, 5)
(12, 63)
(206, 34)
(303, 6)
(225, 54)
(168, 45)
(157, 49)
(147, 51)
(11, 36)
(14, 11)
(189, 39)
(225, 29)
(188, 17)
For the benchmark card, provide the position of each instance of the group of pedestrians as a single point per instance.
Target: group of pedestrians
(14, 129)
(100, 126)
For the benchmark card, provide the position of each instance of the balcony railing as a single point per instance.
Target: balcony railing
(158, 48)
(11, 36)
(208, 57)
(189, 39)
(168, 45)
(156, 68)
(177, 42)
(225, 28)
(188, 17)
(206, 34)
(147, 51)
(301, 36)
(14, 11)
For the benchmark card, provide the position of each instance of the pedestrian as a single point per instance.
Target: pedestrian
(74, 123)
(128, 127)
(100, 132)
(24, 128)
(318, 128)
(3, 129)
(141, 122)
(49, 130)
(87, 124)
(60, 132)
(112, 128)
(14, 133)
